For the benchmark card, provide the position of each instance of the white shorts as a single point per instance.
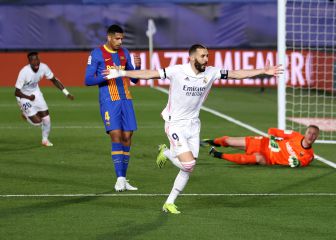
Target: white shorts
(184, 136)
(30, 108)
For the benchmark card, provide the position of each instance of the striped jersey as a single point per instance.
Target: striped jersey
(102, 58)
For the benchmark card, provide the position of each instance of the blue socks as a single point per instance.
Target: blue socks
(117, 154)
(126, 159)
(120, 157)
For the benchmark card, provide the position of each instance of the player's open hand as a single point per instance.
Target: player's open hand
(71, 97)
(273, 70)
(137, 60)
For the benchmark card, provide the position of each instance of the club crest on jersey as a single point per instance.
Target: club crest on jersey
(301, 154)
(205, 80)
(122, 57)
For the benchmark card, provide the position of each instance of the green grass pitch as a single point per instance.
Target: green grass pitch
(80, 163)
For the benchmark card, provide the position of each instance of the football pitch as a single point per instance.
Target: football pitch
(66, 191)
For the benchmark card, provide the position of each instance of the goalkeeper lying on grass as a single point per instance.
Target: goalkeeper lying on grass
(280, 148)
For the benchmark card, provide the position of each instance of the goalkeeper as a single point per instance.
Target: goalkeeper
(280, 148)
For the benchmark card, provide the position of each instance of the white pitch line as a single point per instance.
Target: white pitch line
(249, 127)
(321, 159)
(164, 194)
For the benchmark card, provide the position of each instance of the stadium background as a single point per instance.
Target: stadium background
(66, 192)
(69, 30)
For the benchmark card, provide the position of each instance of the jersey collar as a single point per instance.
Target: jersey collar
(188, 71)
(108, 50)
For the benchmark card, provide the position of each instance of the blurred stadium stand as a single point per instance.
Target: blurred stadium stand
(243, 32)
(80, 25)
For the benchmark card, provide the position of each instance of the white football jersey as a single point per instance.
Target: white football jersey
(187, 91)
(28, 80)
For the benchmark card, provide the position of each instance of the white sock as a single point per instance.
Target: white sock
(45, 127)
(174, 160)
(179, 184)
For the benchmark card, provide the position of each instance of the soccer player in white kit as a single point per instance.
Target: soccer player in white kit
(30, 98)
(189, 86)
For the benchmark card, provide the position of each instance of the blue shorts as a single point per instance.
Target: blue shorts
(118, 115)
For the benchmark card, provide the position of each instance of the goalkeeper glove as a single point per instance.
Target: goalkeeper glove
(293, 162)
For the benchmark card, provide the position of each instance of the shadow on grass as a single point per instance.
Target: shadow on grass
(43, 207)
(15, 147)
(49, 180)
(131, 229)
(53, 165)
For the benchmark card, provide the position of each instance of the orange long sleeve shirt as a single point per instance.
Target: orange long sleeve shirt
(286, 145)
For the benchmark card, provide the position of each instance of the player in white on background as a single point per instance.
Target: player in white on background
(189, 86)
(30, 98)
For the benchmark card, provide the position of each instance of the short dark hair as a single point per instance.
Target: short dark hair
(30, 54)
(194, 48)
(314, 126)
(114, 29)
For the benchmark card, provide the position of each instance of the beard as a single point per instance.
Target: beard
(200, 67)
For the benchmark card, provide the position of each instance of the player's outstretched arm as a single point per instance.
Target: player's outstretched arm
(268, 70)
(142, 74)
(61, 87)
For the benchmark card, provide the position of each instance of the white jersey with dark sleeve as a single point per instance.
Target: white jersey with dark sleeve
(27, 80)
(187, 91)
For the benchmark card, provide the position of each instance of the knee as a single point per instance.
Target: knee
(46, 118)
(35, 121)
(36, 124)
(126, 140)
(115, 139)
(189, 166)
(115, 136)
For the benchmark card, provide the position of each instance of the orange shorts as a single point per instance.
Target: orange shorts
(259, 145)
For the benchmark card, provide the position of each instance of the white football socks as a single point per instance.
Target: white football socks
(179, 184)
(45, 127)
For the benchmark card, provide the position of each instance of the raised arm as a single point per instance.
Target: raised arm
(268, 70)
(142, 74)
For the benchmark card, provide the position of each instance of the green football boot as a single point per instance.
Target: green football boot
(161, 159)
(170, 208)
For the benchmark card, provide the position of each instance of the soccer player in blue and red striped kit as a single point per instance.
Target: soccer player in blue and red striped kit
(115, 99)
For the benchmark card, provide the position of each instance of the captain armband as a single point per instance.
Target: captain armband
(224, 74)
(164, 73)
